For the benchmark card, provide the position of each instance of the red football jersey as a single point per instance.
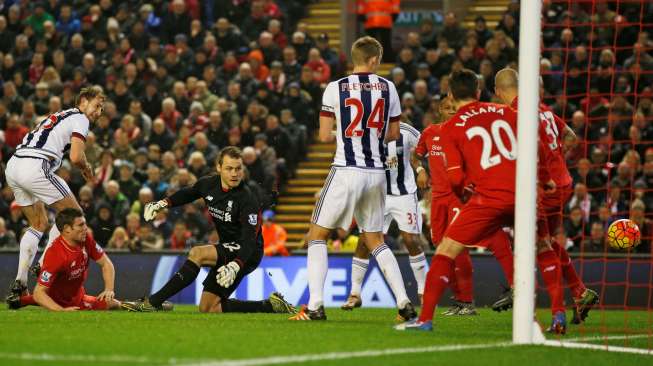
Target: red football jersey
(430, 142)
(481, 139)
(552, 157)
(65, 268)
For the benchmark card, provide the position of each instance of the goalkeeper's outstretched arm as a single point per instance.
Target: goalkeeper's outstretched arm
(181, 197)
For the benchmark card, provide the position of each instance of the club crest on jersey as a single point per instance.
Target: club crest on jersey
(230, 205)
(209, 198)
(45, 276)
(253, 219)
(73, 264)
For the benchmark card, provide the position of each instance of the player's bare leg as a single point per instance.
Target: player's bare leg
(359, 264)
(417, 260)
(317, 263)
(438, 279)
(390, 269)
(38, 222)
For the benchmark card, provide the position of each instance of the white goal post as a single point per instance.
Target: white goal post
(526, 190)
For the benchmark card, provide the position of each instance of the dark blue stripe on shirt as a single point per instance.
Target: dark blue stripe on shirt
(366, 99)
(46, 132)
(345, 120)
(401, 169)
(385, 94)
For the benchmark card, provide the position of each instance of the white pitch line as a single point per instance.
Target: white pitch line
(605, 338)
(26, 356)
(600, 347)
(342, 355)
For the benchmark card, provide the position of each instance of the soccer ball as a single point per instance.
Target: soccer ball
(623, 234)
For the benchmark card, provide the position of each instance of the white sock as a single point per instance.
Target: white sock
(390, 269)
(317, 263)
(53, 234)
(358, 270)
(420, 267)
(29, 245)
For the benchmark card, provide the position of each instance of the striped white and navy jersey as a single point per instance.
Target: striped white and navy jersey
(363, 105)
(51, 137)
(400, 178)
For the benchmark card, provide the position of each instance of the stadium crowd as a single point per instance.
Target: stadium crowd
(597, 67)
(186, 78)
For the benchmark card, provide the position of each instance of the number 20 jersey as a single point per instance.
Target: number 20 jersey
(362, 104)
(481, 140)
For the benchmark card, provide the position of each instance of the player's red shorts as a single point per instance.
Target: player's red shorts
(444, 210)
(478, 219)
(549, 210)
(92, 303)
(81, 300)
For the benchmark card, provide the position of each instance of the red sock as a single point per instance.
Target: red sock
(574, 282)
(437, 280)
(549, 266)
(27, 300)
(499, 244)
(464, 277)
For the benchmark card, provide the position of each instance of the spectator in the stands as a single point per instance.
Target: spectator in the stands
(274, 236)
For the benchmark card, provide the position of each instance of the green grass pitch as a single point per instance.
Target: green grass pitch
(32, 336)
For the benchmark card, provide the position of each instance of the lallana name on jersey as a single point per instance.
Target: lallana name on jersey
(473, 112)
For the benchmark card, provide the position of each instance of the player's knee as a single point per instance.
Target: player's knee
(195, 254)
(411, 242)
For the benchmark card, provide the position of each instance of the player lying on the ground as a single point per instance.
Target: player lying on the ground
(60, 285)
(402, 206)
(554, 132)
(445, 207)
(236, 215)
(30, 173)
(356, 185)
(479, 143)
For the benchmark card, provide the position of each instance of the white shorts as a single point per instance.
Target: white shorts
(32, 180)
(351, 193)
(405, 210)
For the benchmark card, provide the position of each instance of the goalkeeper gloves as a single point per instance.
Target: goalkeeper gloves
(227, 274)
(152, 208)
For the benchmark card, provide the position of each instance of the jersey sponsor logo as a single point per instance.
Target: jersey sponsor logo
(45, 276)
(253, 219)
(232, 246)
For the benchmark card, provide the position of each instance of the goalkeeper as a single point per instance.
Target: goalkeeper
(235, 211)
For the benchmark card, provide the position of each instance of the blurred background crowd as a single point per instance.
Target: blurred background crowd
(185, 78)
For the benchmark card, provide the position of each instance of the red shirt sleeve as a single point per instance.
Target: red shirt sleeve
(51, 267)
(94, 250)
(421, 149)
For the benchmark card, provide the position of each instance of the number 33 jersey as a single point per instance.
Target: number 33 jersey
(362, 104)
(481, 140)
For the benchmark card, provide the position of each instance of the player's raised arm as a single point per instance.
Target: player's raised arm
(181, 197)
